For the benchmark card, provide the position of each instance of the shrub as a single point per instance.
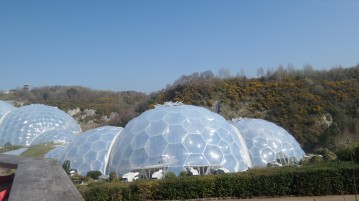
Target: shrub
(94, 174)
(345, 154)
(113, 177)
(326, 178)
(184, 173)
(326, 153)
(170, 175)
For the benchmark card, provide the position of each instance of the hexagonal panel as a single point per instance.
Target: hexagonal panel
(138, 158)
(267, 154)
(254, 151)
(192, 126)
(96, 165)
(82, 150)
(233, 164)
(175, 154)
(224, 147)
(139, 140)
(156, 145)
(211, 136)
(275, 145)
(155, 115)
(225, 135)
(156, 128)
(139, 127)
(175, 134)
(90, 156)
(98, 146)
(194, 143)
(213, 155)
(193, 113)
(260, 142)
(174, 118)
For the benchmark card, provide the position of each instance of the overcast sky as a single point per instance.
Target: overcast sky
(143, 45)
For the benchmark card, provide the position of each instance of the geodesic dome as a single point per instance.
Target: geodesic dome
(21, 125)
(57, 136)
(89, 151)
(176, 136)
(269, 143)
(5, 107)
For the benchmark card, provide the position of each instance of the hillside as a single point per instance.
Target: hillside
(320, 108)
(91, 108)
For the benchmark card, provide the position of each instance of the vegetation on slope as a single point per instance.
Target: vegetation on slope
(320, 108)
(123, 104)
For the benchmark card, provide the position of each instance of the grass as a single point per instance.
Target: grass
(38, 151)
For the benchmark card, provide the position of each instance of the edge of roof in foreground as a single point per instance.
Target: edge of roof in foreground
(39, 179)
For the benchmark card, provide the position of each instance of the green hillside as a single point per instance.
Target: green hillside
(320, 108)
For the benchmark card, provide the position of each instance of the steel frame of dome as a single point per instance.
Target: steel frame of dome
(175, 136)
(268, 143)
(21, 125)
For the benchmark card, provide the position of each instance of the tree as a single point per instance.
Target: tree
(71, 93)
(8, 144)
(224, 73)
(260, 72)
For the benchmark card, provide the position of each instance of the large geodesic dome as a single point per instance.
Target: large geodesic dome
(175, 136)
(21, 125)
(5, 107)
(269, 143)
(89, 151)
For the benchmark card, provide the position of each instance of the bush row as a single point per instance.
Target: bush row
(333, 178)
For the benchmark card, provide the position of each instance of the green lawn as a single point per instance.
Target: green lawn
(39, 150)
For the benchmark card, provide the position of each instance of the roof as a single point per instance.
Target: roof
(39, 179)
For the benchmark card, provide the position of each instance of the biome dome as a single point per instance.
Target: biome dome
(5, 107)
(268, 143)
(89, 151)
(175, 136)
(21, 125)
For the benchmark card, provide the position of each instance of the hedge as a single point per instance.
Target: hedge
(334, 178)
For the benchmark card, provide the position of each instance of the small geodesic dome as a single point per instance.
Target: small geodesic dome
(175, 136)
(89, 151)
(21, 125)
(5, 107)
(58, 136)
(268, 143)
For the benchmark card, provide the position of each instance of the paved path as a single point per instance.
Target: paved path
(16, 152)
(307, 198)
